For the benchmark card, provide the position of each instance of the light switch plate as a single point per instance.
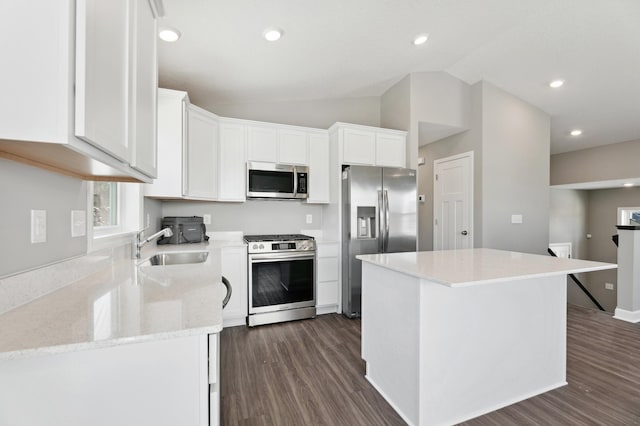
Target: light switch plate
(78, 223)
(516, 218)
(38, 226)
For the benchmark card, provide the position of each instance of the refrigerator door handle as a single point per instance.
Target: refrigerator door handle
(380, 216)
(386, 221)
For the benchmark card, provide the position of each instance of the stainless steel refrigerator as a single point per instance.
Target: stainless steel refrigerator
(378, 216)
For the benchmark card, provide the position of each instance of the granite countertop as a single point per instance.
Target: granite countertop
(460, 268)
(124, 302)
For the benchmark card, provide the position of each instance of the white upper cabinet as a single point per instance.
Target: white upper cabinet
(262, 144)
(292, 146)
(172, 113)
(370, 146)
(201, 177)
(188, 139)
(391, 149)
(319, 168)
(232, 162)
(144, 88)
(68, 96)
(358, 147)
(102, 47)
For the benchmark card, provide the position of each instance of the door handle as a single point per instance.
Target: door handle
(386, 221)
(380, 236)
(464, 233)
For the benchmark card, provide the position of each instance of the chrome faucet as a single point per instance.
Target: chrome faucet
(166, 232)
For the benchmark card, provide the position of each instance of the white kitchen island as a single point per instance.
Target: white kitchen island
(451, 335)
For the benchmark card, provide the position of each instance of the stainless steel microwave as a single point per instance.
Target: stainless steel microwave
(280, 181)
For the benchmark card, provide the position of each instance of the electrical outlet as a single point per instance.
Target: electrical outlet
(309, 218)
(206, 219)
(147, 221)
(516, 218)
(608, 286)
(78, 223)
(38, 226)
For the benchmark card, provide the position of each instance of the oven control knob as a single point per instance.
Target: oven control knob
(261, 246)
(255, 247)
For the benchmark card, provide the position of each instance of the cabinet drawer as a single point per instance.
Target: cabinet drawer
(327, 269)
(327, 293)
(327, 249)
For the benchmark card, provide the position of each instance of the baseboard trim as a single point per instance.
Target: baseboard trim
(329, 309)
(628, 316)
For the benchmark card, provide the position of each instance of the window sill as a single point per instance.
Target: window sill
(109, 241)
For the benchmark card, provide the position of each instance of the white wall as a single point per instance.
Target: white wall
(568, 219)
(23, 188)
(252, 217)
(601, 163)
(515, 172)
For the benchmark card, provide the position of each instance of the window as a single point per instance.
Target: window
(117, 210)
(628, 215)
(105, 204)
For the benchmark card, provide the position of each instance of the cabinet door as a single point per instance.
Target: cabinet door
(232, 164)
(172, 112)
(262, 144)
(102, 48)
(390, 150)
(292, 147)
(156, 382)
(327, 290)
(358, 147)
(144, 78)
(202, 154)
(234, 268)
(319, 169)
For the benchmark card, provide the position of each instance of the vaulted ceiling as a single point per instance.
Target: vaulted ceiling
(352, 48)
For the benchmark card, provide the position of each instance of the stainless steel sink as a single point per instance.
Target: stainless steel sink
(178, 258)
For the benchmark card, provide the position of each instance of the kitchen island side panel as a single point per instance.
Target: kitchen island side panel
(488, 346)
(442, 355)
(390, 337)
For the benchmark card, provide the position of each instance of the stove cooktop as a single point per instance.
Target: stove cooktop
(276, 237)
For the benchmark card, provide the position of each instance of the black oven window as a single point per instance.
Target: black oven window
(269, 181)
(278, 283)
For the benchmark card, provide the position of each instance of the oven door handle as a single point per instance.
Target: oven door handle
(258, 258)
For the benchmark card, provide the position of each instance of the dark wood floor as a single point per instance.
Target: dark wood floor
(310, 373)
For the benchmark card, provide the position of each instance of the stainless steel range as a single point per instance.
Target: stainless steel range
(282, 278)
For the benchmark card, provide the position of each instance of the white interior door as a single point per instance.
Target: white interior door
(453, 202)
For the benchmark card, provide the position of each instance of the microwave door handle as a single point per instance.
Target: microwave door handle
(295, 182)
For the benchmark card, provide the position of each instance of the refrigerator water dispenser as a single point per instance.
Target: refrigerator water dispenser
(366, 222)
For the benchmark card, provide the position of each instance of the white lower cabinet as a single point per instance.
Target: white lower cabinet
(160, 382)
(327, 278)
(234, 268)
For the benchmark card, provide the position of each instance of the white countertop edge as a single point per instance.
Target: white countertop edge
(525, 276)
(490, 280)
(129, 340)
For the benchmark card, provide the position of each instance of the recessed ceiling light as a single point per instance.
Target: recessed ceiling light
(576, 132)
(169, 34)
(556, 83)
(272, 34)
(420, 39)
(628, 184)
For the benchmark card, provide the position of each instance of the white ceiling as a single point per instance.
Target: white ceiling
(351, 48)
